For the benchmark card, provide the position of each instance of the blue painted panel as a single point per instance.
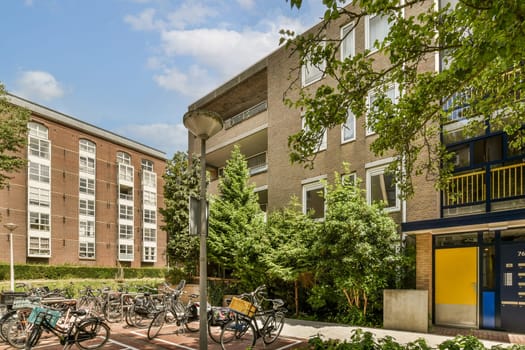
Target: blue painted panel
(489, 309)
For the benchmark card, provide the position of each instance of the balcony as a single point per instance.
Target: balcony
(246, 114)
(492, 189)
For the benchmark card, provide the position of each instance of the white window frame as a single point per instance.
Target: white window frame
(126, 212)
(150, 216)
(313, 184)
(378, 171)
(87, 165)
(125, 232)
(125, 251)
(86, 186)
(38, 245)
(125, 172)
(38, 130)
(150, 234)
(39, 197)
(324, 142)
(369, 101)
(149, 179)
(86, 207)
(147, 165)
(87, 146)
(39, 147)
(310, 73)
(86, 250)
(369, 43)
(39, 221)
(86, 228)
(149, 254)
(39, 172)
(349, 124)
(123, 158)
(347, 39)
(149, 198)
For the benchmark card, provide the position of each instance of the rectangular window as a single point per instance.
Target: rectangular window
(125, 172)
(125, 251)
(150, 234)
(380, 187)
(39, 221)
(87, 165)
(149, 198)
(391, 93)
(39, 246)
(150, 216)
(347, 41)
(150, 254)
(376, 29)
(312, 72)
(39, 172)
(38, 147)
(39, 197)
(125, 212)
(87, 186)
(149, 179)
(313, 200)
(86, 228)
(125, 232)
(86, 207)
(348, 128)
(323, 142)
(86, 250)
(349, 179)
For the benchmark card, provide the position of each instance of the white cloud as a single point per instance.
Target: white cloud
(144, 21)
(246, 4)
(227, 51)
(38, 85)
(168, 138)
(194, 83)
(190, 14)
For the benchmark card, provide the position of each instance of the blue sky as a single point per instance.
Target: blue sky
(134, 66)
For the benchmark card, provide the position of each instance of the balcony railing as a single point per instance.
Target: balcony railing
(246, 114)
(504, 183)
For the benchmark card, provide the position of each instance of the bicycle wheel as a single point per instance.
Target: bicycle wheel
(4, 322)
(272, 327)
(113, 311)
(214, 330)
(33, 337)
(192, 321)
(92, 333)
(238, 334)
(17, 332)
(156, 324)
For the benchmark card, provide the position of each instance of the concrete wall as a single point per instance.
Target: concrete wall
(405, 309)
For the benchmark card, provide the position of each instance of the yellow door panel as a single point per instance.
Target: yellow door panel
(456, 276)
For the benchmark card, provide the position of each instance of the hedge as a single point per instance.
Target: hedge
(40, 271)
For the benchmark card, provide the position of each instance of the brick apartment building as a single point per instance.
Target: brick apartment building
(87, 196)
(469, 252)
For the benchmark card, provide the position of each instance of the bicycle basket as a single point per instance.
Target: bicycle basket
(24, 303)
(38, 314)
(243, 307)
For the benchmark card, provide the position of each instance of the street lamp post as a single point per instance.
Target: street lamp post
(11, 227)
(203, 124)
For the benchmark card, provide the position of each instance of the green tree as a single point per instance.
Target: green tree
(13, 137)
(236, 228)
(288, 257)
(482, 45)
(181, 180)
(355, 254)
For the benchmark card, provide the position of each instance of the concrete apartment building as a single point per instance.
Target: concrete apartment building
(87, 197)
(470, 252)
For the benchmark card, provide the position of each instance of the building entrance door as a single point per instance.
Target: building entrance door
(512, 286)
(456, 286)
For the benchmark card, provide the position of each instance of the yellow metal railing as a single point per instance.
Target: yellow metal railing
(507, 181)
(465, 189)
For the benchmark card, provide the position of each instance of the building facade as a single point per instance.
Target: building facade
(87, 196)
(470, 255)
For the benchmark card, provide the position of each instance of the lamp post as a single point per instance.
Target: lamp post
(203, 124)
(11, 227)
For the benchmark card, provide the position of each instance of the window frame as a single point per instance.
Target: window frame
(346, 38)
(368, 30)
(309, 185)
(395, 87)
(317, 73)
(378, 171)
(344, 127)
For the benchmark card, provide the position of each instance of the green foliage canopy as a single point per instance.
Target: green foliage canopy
(181, 180)
(482, 48)
(13, 137)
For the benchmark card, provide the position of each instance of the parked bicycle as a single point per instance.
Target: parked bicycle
(252, 321)
(80, 329)
(174, 311)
